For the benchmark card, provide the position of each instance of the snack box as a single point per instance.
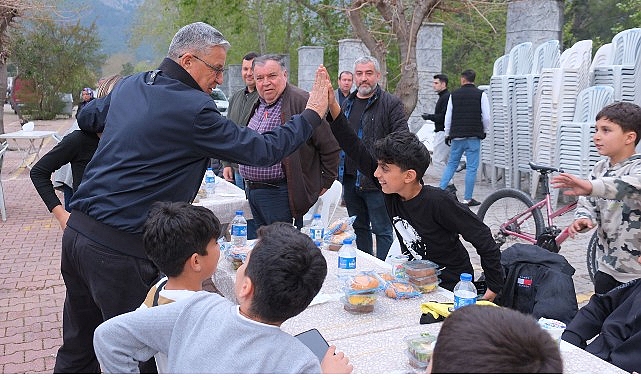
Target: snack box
(363, 282)
(236, 255)
(419, 349)
(424, 280)
(420, 268)
(401, 290)
(359, 303)
(427, 288)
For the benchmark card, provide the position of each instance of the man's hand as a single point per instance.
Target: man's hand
(448, 140)
(61, 215)
(318, 97)
(335, 362)
(489, 295)
(580, 225)
(228, 174)
(576, 185)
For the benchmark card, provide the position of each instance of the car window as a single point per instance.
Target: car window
(218, 95)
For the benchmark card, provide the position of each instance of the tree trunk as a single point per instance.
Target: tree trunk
(7, 14)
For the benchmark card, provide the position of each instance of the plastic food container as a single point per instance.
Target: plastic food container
(424, 280)
(363, 282)
(419, 349)
(427, 288)
(359, 303)
(236, 255)
(401, 290)
(420, 268)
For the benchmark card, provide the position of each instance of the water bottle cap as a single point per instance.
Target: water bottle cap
(347, 241)
(209, 168)
(239, 212)
(466, 277)
(317, 216)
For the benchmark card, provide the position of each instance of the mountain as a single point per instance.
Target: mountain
(113, 20)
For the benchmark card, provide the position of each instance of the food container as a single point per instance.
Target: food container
(553, 327)
(359, 303)
(420, 268)
(362, 282)
(419, 349)
(424, 280)
(401, 290)
(427, 288)
(236, 255)
(397, 262)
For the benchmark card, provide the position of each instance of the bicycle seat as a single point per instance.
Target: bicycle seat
(544, 169)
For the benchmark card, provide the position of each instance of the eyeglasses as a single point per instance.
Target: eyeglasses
(217, 70)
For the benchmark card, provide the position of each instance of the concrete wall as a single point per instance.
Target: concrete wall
(429, 62)
(309, 58)
(535, 21)
(349, 50)
(233, 80)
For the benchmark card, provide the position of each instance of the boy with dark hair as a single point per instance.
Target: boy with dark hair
(470, 342)
(611, 198)
(427, 220)
(182, 241)
(207, 333)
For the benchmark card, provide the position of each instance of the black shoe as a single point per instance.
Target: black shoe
(451, 188)
(471, 203)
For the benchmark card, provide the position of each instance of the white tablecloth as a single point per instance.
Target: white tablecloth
(226, 200)
(374, 342)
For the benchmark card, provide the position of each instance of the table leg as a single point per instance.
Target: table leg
(36, 151)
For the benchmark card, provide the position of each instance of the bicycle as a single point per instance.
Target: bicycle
(513, 216)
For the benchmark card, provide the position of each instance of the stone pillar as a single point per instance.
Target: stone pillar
(429, 61)
(349, 50)
(535, 21)
(309, 58)
(233, 80)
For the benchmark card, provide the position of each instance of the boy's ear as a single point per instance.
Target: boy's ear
(246, 289)
(194, 262)
(410, 175)
(631, 137)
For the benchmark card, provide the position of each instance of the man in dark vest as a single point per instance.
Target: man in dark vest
(467, 120)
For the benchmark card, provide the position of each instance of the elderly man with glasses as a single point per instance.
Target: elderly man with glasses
(159, 130)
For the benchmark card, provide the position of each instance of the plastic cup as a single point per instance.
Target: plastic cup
(553, 327)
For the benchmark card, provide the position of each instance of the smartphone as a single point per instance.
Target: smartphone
(315, 341)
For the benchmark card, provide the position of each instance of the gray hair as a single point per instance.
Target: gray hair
(262, 59)
(368, 59)
(198, 37)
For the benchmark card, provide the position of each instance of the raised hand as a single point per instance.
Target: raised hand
(318, 98)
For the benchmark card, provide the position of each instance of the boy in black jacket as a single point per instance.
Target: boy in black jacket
(427, 220)
(615, 319)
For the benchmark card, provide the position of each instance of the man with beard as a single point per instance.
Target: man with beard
(373, 114)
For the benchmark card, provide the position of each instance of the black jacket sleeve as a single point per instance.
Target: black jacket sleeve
(353, 147)
(41, 172)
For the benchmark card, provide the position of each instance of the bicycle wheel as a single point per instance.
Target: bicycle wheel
(503, 205)
(591, 259)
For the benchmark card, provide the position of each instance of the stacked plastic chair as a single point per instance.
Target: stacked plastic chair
(502, 92)
(623, 73)
(499, 108)
(555, 102)
(546, 55)
(576, 154)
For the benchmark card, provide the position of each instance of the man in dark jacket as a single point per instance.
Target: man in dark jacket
(160, 129)
(241, 105)
(538, 282)
(467, 120)
(288, 188)
(373, 114)
(440, 150)
(614, 318)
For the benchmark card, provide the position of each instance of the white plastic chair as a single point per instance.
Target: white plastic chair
(3, 210)
(326, 203)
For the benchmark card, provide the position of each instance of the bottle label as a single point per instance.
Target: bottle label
(316, 233)
(238, 230)
(460, 301)
(346, 262)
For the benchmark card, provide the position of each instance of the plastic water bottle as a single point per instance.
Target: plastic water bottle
(210, 182)
(464, 292)
(347, 258)
(316, 229)
(239, 229)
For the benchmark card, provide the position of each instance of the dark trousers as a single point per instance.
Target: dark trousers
(271, 205)
(603, 282)
(101, 282)
(369, 208)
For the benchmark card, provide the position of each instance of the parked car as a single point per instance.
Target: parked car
(221, 101)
